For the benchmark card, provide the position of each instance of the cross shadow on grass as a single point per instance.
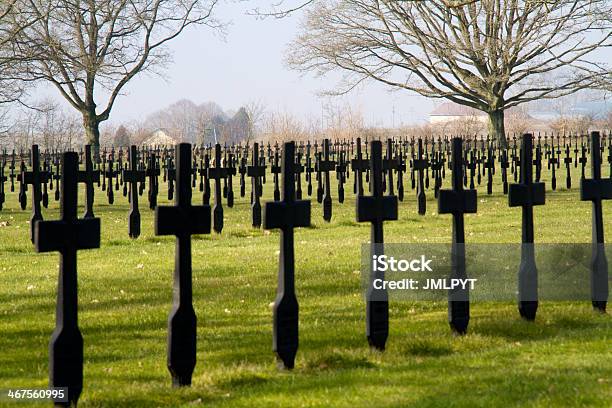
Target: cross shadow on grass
(516, 329)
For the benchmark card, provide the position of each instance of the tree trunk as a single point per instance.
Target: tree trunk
(92, 133)
(497, 131)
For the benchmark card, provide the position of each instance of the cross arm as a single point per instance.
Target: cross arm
(83, 176)
(595, 189)
(457, 202)
(526, 194)
(171, 220)
(376, 208)
(283, 215)
(256, 171)
(60, 235)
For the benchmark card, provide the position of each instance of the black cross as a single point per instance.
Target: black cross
(171, 174)
(583, 160)
(527, 194)
(256, 171)
(35, 178)
(275, 169)
(325, 165)
(490, 167)
(538, 161)
(12, 171)
(568, 164)
(242, 170)
(217, 173)
(109, 174)
(419, 164)
(595, 190)
(231, 171)
(286, 215)
(359, 165)
(299, 169)
(3, 178)
(376, 209)
(203, 171)
(67, 236)
(552, 164)
(182, 220)
(389, 164)
(341, 175)
(134, 176)
(309, 169)
(88, 177)
(153, 172)
(457, 202)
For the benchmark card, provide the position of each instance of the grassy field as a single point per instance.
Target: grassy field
(125, 291)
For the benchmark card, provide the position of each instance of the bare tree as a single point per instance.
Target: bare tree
(487, 54)
(11, 24)
(90, 49)
(122, 137)
(281, 126)
(256, 111)
(46, 123)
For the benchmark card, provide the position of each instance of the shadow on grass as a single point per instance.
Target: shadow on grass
(425, 348)
(336, 360)
(517, 329)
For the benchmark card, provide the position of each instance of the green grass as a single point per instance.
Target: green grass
(125, 290)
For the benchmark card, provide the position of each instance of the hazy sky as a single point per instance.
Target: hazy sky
(248, 65)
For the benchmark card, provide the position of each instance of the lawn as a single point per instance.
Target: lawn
(564, 358)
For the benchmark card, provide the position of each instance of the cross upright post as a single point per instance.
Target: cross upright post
(457, 202)
(325, 166)
(109, 174)
(527, 194)
(552, 164)
(358, 165)
(88, 177)
(568, 164)
(256, 171)
(309, 170)
(376, 209)
(133, 176)
(390, 164)
(36, 177)
(420, 164)
(67, 236)
(182, 220)
(231, 171)
(275, 169)
(217, 173)
(595, 190)
(286, 215)
(299, 169)
(153, 172)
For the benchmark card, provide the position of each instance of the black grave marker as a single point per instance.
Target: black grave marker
(595, 190)
(67, 236)
(88, 177)
(457, 202)
(286, 215)
(182, 220)
(526, 194)
(376, 209)
(133, 176)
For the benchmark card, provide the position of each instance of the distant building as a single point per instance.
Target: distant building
(159, 137)
(450, 111)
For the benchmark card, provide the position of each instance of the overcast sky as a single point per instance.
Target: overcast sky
(248, 65)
